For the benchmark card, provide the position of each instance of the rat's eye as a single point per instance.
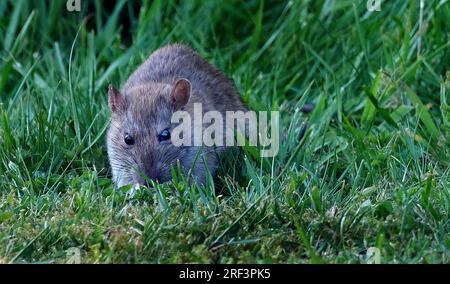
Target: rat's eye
(129, 140)
(164, 135)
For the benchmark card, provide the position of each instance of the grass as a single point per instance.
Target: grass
(368, 183)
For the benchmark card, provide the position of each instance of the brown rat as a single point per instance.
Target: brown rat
(173, 78)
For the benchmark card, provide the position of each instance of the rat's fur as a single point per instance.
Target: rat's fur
(144, 108)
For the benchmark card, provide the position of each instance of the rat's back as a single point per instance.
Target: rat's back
(172, 62)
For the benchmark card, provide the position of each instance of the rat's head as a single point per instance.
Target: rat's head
(139, 137)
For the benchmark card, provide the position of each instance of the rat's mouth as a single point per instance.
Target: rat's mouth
(146, 180)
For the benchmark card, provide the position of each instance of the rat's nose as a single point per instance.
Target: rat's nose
(145, 175)
(145, 178)
(147, 167)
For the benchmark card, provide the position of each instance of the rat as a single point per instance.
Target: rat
(139, 144)
(173, 78)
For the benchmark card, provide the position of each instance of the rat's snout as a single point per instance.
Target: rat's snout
(147, 171)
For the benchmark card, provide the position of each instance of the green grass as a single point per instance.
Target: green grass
(369, 182)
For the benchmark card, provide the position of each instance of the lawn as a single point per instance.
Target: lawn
(369, 182)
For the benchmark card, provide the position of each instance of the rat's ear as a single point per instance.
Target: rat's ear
(180, 93)
(115, 99)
